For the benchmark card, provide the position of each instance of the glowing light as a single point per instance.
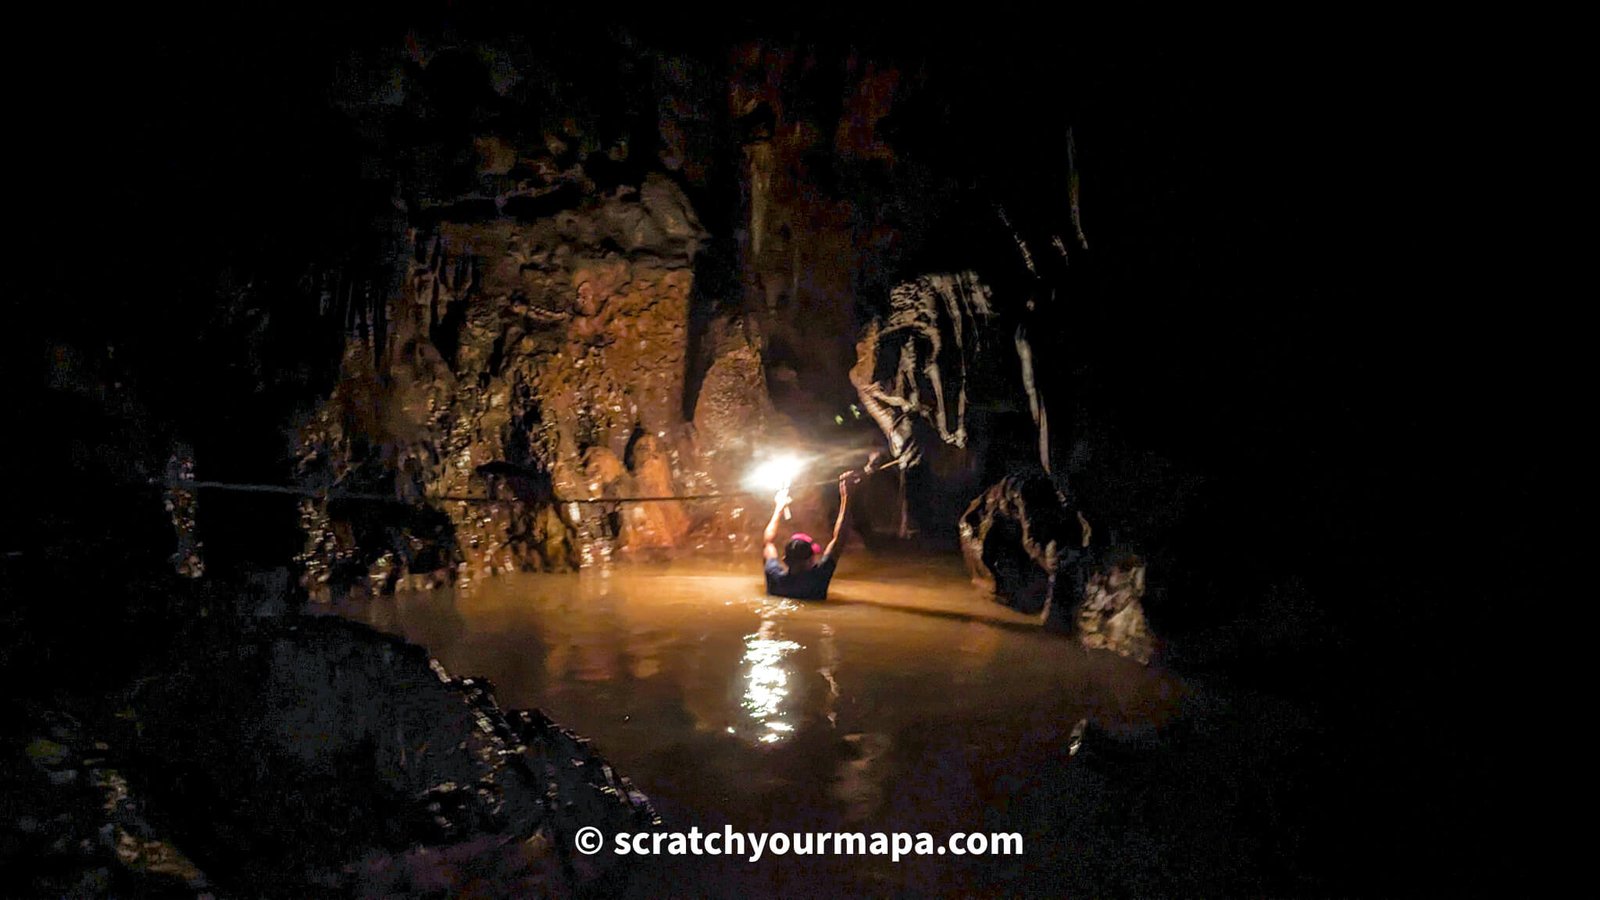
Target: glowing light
(775, 473)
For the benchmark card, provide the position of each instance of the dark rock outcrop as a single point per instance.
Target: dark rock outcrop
(323, 755)
(75, 827)
(1028, 548)
(1017, 536)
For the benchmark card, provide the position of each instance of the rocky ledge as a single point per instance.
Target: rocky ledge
(315, 757)
(1028, 547)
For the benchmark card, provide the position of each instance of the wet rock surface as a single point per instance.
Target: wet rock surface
(526, 363)
(1016, 537)
(1029, 549)
(733, 407)
(553, 288)
(1111, 616)
(321, 756)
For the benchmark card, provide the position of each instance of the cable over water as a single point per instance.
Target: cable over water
(293, 490)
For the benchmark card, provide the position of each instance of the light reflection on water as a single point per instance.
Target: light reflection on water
(767, 680)
(905, 702)
(830, 661)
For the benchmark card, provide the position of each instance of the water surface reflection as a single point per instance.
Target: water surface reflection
(906, 703)
(767, 680)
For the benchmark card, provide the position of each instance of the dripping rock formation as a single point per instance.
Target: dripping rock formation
(527, 363)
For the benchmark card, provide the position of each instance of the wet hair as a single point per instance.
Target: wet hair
(798, 550)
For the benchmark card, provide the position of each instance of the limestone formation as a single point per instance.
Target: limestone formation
(324, 753)
(530, 354)
(1111, 615)
(1015, 538)
(733, 406)
(1028, 548)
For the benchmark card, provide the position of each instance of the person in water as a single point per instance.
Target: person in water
(806, 568)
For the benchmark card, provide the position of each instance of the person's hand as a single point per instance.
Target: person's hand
(781, 499)
(844, 485)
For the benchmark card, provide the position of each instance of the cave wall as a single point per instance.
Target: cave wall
(454, 306)
(593, 293)
(525, 360)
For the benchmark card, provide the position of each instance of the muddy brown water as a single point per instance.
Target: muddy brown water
(904, 703)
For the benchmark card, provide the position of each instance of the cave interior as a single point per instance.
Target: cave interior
(453, 282)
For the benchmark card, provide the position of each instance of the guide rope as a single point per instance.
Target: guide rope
(186, 485)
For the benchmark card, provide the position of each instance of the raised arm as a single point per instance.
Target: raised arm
(779, 501)
(838, 524)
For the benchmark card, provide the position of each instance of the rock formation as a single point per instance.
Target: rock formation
(525, 363)
(1111, 615)
(325, 754)
(1028, 548)
(593, 298)
(1018, 537)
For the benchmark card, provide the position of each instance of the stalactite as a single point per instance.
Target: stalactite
(182, 505)
(1041, 415)
(760, 159)
(1072, 189)
(366, 314)
(376, 316)
(1061, 248)
(932, 329)
(431, 285)
(1022, 244)
(350, 313)
(380, 325)
(1036, 404)
(325, 296)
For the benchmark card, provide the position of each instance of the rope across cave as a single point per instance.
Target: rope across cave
(292, 490)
